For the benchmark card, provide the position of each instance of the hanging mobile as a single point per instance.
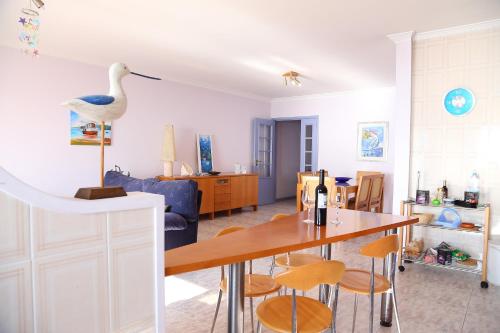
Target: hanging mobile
(30, 23)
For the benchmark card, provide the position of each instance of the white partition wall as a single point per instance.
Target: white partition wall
(71, 265)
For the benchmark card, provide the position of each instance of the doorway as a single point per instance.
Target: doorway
(276, 162)
(287, 157)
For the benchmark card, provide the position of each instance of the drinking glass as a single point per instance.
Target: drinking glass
(336, 200)
(307, 201)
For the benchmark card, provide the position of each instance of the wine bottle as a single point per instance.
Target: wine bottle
(445, 190)
(320, 204)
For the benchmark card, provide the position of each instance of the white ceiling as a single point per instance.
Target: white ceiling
(243, 46)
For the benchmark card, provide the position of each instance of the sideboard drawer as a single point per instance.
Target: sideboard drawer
(218, 206)
(222, 182)
(223, 197)
(222, 189)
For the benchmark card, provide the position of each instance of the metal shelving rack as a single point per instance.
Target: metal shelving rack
(407, 209)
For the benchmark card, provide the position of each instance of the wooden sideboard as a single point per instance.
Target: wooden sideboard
(224, 192)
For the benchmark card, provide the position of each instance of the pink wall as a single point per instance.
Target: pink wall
(339, 114)
(34, 135)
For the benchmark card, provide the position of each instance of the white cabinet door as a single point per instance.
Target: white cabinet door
(14, 230)
(132, 303)
(71, 293)
(15, 298)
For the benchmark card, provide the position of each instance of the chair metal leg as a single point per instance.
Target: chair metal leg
(395, 305)
(330, 298)
(354, 314)
(334, 309)
(251, 313)
(259, 327)
(273, 264)
(372, 295)
(216, 311)
(294, 312)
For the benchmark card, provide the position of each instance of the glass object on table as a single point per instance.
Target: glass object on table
(308, 202)
(337, 201)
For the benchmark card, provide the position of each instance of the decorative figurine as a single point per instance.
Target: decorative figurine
(186, 169)
(102, 108)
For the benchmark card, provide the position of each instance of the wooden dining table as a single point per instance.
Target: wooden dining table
(281, 236)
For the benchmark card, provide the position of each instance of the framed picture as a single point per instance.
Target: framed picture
(372, 141)
(87, 133)
(204, 144)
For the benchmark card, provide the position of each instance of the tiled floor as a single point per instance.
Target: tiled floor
(430, 299)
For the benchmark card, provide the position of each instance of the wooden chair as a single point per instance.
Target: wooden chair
(377, 194)
(255, 284)
(369, 283)
(292, 260)
(362, 201)
(313, 181)
(292, 313)
(308, 173)
(359, 174)
(300, 186)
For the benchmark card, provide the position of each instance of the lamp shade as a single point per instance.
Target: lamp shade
(169, 144)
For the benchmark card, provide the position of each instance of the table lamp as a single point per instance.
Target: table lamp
(168, 155)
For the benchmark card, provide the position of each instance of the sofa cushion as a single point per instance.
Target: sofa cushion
(175, 221)
(181, 195)
(129, 184)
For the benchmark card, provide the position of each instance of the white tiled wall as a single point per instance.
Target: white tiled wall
(448, 147)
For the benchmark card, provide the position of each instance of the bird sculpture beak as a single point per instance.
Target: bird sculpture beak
(146, 76)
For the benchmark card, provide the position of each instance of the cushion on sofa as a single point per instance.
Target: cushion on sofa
(175, 221)
(181, 195)
(129, 184)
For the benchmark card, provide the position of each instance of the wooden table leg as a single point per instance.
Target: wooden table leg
(298, 206)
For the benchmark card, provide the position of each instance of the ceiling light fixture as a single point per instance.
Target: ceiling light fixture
(292, 77)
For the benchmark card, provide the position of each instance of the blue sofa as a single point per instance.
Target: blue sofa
(182, 201)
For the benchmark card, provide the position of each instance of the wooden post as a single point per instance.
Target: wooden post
(103, 134)
(402, 212)
(486, 237)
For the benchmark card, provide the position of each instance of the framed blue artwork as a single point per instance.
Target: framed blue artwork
(372, 141)
(459, 101)
(204, 144)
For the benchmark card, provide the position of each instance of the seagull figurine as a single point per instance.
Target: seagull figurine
(108, 107)
(104, 108)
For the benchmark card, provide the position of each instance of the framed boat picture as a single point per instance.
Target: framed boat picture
(204, 145)
(84, 132)
(372, 141)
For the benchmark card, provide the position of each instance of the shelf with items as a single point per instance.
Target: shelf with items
(479, 208)
(480, 217)
(454, 266)
(437, 226)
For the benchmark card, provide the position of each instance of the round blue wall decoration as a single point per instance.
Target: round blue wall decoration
(459, 101)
